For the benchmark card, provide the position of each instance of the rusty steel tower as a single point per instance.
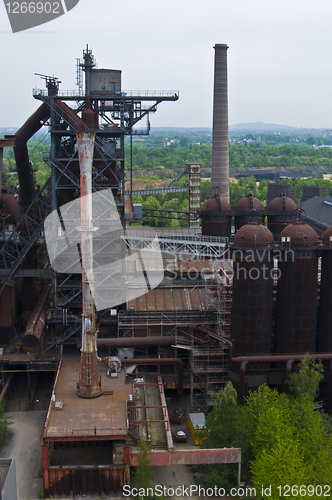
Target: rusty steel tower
(88, 127)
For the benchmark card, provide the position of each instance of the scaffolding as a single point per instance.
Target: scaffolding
(209, 374)
(162, 322)
(209, 365)
(193, 169)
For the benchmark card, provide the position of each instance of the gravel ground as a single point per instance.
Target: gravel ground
(22, 443)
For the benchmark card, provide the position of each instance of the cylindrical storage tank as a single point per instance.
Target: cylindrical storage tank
(324, 341)
(251, 318)
(280, 213)
(297, 290)
(243, 207)
(216, 217)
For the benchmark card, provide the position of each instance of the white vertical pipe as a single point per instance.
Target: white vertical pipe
(85, 143)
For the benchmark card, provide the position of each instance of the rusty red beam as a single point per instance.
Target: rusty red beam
(191, 457)
(75, 438)
(148, 406)
(147, 421)
(149, 384)
(164, 421)
(169, 438)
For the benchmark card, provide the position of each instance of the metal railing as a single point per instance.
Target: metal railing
(125, 93)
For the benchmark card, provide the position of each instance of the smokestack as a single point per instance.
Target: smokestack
(220, 152)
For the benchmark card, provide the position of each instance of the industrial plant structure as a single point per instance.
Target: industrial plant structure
(242, 307)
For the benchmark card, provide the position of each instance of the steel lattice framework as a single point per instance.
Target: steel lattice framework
(196, 246)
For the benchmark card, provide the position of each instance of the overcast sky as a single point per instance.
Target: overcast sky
(279, 57)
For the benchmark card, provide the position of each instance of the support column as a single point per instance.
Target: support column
(46, 472)
(89, 381)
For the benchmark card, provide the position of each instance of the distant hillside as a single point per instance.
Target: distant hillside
(237, 129)
(245, 128)
(13, 130)
(8, 130)
(271, 128)
(183, 130)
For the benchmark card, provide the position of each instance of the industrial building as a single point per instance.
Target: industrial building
(121, 314)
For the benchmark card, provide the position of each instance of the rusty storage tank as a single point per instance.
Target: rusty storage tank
(297, 290)
(251, 317)
(216, 216)
(324, 341)
(280, 213)
(243, 207)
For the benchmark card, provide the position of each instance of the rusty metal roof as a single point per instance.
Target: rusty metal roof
(327, 234)
(191, 266)
(175, 298)
(215, 206)
(87, 418)
(280, 204)
(300, 235)
(253, 235)
(248, 203)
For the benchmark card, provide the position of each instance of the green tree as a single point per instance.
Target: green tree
(5, 420)
(151, 219)
(221, 432)
(222, 421)
(144, 472)
(287, 442)
(305, 381)
(282, 465)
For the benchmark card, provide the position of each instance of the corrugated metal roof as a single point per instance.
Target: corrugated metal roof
(170, 299)
(319, 209)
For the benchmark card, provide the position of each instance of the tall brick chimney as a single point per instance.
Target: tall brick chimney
(220, 149)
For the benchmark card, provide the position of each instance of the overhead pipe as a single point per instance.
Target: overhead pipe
(68, 114)
(277, 358)
(36, 322)
(289, 359)
(11, 205)
(7, 142)
(153, 341)
(202, 329)
(155, 361)
(26, 182)
(24, 172)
